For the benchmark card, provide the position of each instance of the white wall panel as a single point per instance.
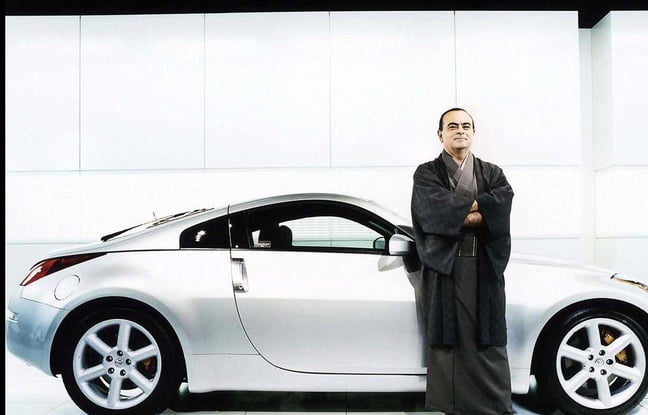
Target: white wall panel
(602, 93)
(620, 44)
(518, 75)
(42, 207)
(548, 202)
(587, 148)
(119, 200)
(622, 202)
(626, 255)
(42, 92)
(392, 75)
(267, 90)
(620, 96)
(630, 86)
(142, 92)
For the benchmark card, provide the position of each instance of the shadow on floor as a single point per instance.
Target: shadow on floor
(323, 402)
(535, 403)
(298, 401)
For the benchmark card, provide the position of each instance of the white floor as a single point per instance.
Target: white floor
(30, 392)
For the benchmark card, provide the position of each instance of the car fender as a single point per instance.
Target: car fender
(191, 289)
(538, 293)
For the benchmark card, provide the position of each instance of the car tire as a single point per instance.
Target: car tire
(594, 362)
(120, 361)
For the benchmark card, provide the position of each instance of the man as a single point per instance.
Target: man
(461, 209)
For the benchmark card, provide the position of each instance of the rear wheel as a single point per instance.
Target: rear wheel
(594, 362)
(120, 361)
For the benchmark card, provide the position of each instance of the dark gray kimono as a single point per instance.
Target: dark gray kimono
(438, 214)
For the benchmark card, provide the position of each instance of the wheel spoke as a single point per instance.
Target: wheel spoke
(576, 381)
(97, 344)
(144, 353)
(593, 335)
(619, 344)
(573, 353)
(123, 337)
(114, 392)
(603, 389)
(91, 373)
(141, 381)
(119, 378)
(626, 372)
(602, 355)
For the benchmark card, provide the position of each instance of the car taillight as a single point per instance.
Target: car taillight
(52, 265)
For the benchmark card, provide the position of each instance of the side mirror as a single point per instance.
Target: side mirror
(379, 243)
(400, 244)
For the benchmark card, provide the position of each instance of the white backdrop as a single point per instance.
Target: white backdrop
(112, 118)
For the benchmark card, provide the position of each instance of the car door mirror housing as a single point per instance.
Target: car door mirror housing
(400, 244)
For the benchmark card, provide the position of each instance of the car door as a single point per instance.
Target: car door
(317, 292)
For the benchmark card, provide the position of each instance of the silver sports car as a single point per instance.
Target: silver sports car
(310, 292)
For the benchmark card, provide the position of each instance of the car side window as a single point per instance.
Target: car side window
(321, 231)
(310, 226)
(210, 234)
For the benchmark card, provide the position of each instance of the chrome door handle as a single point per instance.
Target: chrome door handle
(239, 275)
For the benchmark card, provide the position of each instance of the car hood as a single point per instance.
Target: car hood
(530, 259)
(585, 269)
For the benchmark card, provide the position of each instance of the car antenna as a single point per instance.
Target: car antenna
(154, 217)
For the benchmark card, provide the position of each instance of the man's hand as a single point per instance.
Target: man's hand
(474, 219)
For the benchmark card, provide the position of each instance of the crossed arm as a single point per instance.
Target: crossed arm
(451, 211)
(474, 218)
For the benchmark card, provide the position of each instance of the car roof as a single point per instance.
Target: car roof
(366, 204)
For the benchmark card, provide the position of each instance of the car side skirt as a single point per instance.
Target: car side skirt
(207, 373)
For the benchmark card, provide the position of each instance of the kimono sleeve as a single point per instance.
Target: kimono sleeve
(495, 204)
(437, 210)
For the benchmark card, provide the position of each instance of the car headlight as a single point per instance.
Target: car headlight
(637, 284)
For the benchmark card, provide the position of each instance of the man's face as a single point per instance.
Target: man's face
(457, 133)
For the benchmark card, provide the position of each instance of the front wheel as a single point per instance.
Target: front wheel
(120, 362)
(594, 362)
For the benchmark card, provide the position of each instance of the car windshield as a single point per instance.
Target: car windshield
(387, 213)
(150, 224)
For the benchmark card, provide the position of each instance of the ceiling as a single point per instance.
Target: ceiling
(589, 12)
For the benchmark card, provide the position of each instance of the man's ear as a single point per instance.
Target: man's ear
(439, 134)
